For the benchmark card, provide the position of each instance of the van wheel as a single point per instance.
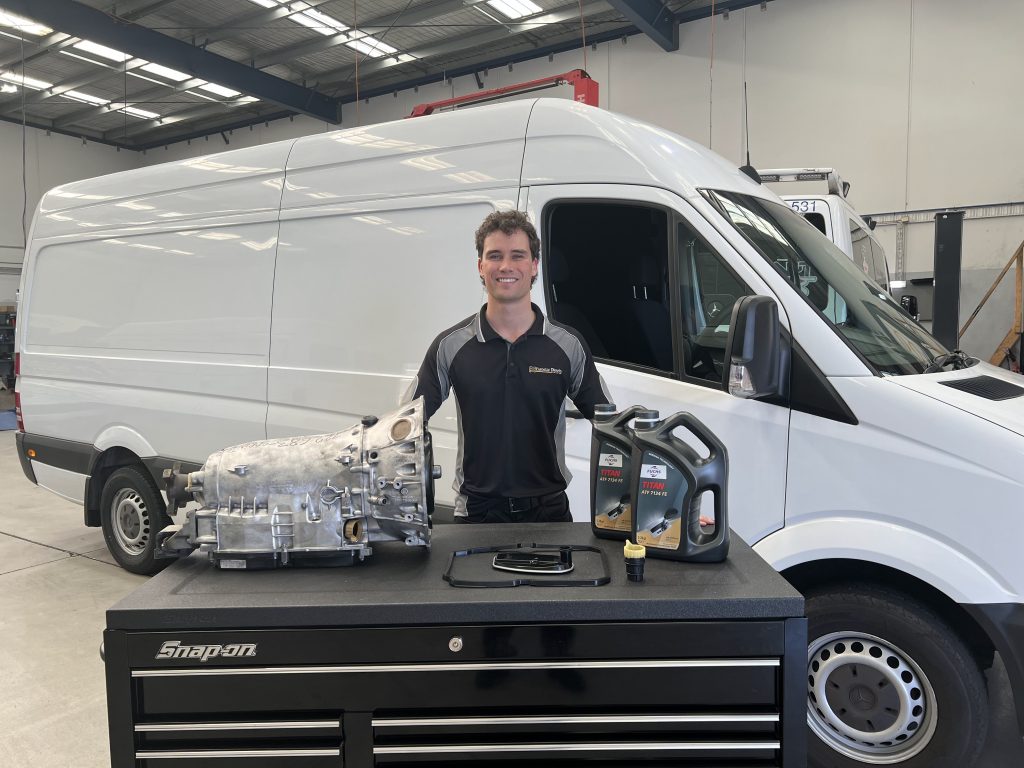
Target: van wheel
(889, 683)
(132, 511)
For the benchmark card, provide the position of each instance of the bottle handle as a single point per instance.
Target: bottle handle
(698, 429)
(698, 540)
(627, 416)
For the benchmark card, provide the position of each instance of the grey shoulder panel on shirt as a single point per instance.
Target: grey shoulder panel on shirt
(570, 344)
(448, 347)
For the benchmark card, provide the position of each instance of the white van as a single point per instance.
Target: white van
(833, 215)
(294, 287)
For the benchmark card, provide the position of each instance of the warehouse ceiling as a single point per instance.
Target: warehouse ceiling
(139, 74)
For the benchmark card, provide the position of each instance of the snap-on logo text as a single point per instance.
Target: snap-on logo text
(173, 649)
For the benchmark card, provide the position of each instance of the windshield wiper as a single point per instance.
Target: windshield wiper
(957, 358)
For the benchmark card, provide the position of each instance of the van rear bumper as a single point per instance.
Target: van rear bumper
(1004, 624)
(26, 463)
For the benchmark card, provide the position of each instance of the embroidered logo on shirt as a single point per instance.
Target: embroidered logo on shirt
(535, 369)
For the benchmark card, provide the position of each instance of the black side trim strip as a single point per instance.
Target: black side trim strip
(62, 454)
(26, 464)
(157, 464)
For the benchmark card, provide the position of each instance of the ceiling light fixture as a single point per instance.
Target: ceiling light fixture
(515, 9)
(220, 90)
(20, 23)
(372, 47)
(101, 50)
(88, 98)
(324, 24)
(133, 111)
(162, 71)
(28, 82)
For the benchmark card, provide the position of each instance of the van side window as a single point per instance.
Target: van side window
(818, 220)
(708, 290)
(606, 265)
(881, 269)
(861, 253)
(868, 255)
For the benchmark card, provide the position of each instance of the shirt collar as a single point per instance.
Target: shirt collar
(484, 331)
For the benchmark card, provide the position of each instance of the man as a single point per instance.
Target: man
(511, 369)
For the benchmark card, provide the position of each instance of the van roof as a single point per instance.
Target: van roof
(567, 143)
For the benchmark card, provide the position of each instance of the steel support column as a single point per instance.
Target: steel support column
(652, 18)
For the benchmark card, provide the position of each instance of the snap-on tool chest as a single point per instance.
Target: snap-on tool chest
(386, 664)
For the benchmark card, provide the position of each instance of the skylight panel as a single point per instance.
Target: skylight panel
(372, 47)
(101, 50)
(20, 23)
(88, 98)
(220, 90)
(324, 20)
(28, 82)
(134, 111)
(162, 71)
(266, 3)
(515, 9)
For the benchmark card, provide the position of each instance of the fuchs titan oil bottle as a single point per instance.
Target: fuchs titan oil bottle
(670, 481)
(611, 509)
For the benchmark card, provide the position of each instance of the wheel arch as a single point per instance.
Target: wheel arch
(103, 465)
(816, 574)
(116, 446)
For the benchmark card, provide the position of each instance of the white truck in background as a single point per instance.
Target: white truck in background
(833, 215)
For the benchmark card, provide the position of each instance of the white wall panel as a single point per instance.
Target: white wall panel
(967, 84)
(49, 161)
(828, 87)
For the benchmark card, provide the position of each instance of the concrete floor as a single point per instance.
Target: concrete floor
(56, 582)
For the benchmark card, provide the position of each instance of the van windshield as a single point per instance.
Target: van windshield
(858, 308)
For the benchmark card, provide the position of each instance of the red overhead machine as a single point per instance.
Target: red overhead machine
(584, 91)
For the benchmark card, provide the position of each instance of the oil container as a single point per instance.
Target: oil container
(672, 483)
(611, 509)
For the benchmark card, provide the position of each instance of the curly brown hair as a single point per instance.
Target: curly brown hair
(508, 222)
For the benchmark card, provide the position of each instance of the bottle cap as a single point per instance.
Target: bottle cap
(604, 410)
(646, 418)
(632, 550)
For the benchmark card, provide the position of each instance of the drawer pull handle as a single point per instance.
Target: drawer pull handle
(218, 753)
(572, 720)
(456, 667)
(252, 726)
(442, 749)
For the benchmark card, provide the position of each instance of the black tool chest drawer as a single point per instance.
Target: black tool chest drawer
(668, 693)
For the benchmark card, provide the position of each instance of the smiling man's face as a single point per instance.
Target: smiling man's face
(507, 268)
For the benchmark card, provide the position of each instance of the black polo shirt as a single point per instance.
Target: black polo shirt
(510, 401)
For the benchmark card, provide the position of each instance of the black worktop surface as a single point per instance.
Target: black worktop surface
(400, 585)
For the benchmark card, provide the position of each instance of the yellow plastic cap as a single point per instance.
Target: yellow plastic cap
(634, 550)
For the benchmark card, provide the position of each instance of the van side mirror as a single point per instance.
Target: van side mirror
(754, 348)
(909, 304)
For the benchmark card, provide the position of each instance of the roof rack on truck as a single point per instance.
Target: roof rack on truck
(585, 91)
(836, 186)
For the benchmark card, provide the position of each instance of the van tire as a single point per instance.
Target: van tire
(890, 665)
(131, 513)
